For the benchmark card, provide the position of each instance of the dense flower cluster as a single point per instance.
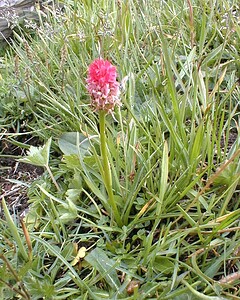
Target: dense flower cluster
(103, 86)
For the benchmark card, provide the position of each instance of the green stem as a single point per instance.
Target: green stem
(107, 177)
(52, 177)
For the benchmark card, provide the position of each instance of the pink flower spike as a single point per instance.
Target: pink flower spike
(103, 86)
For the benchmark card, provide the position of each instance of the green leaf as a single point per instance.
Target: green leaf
(73, 143)
(164, 178)
(14, 231)
(94, 188)
(68, 210)
(38, 156)
(200, 295)
(105, 266)
(164, 265)
(227, 176)
(71, 161)
(195, 149)
(185, 296)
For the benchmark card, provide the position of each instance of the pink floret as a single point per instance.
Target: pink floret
(103, 86)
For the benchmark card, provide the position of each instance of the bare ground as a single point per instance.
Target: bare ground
(15, 178)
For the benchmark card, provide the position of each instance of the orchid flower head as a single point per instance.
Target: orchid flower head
(103, 86)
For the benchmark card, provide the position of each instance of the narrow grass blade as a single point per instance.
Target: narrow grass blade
(14, 231)
(164, 178)
(200, 295)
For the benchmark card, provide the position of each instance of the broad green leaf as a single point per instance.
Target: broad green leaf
(105, 266)
(71, 161)
(163, 265)
(73, 195)
(73, 143)
(68, 210)
(38, 156)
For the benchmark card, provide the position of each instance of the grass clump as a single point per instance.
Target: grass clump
(173, 151)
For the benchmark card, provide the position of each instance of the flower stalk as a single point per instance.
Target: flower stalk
(107, 176)
(103, 88)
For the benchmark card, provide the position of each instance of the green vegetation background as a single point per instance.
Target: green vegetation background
(175, 175)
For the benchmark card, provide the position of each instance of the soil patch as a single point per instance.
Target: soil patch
(15, 177)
